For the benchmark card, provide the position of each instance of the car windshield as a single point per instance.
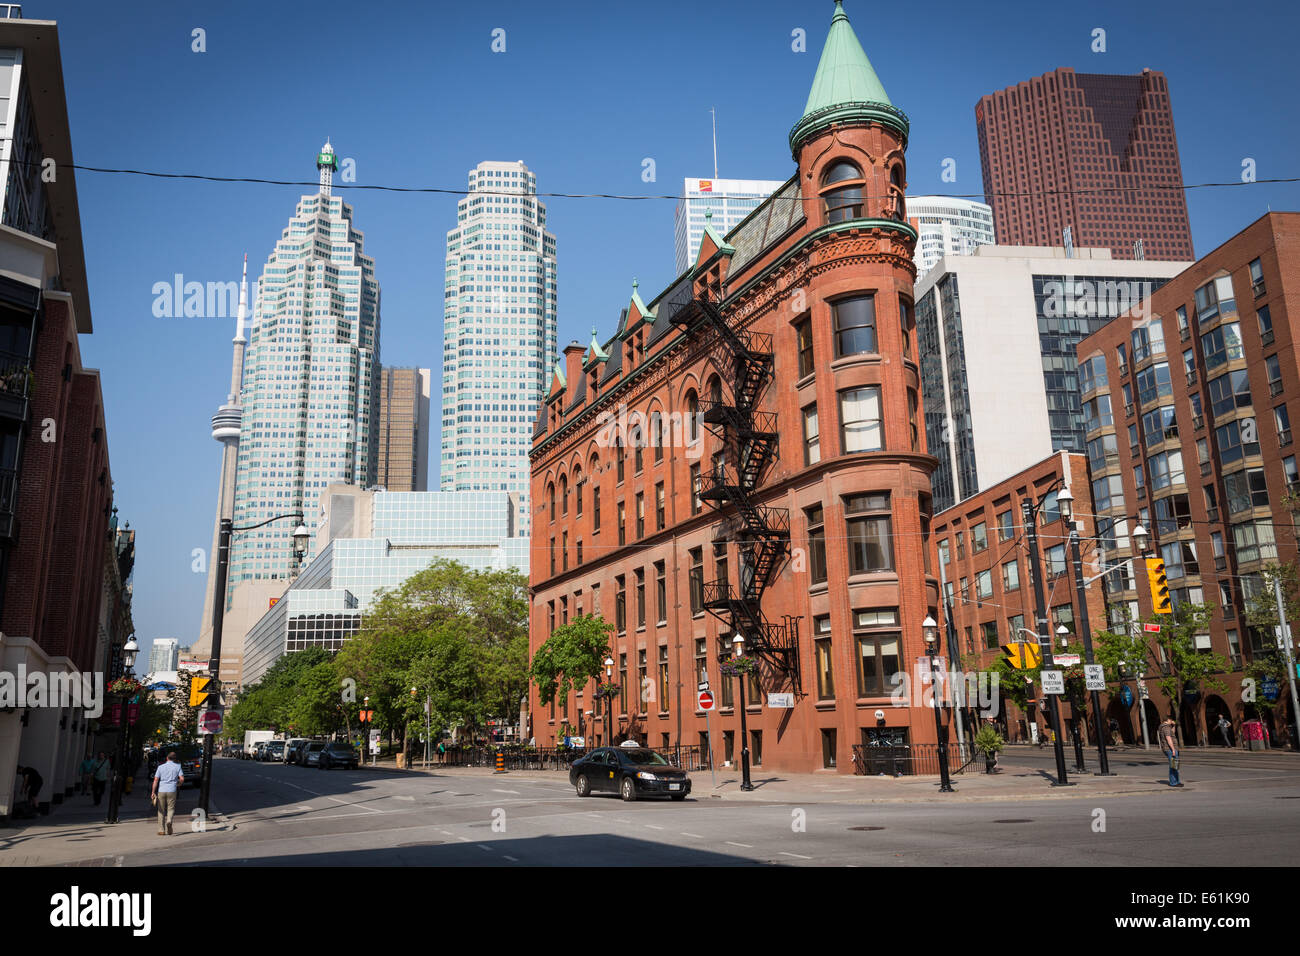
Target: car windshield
(645, 758)
(315, 746)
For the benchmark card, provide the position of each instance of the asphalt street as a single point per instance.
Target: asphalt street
(1232, 813)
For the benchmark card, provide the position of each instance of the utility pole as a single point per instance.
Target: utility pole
(1042, 627)
(1079, 589)
(1284, 638)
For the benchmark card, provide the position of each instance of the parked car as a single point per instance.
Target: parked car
(631, 772)
(311, 752)
(273, 752)
(259, 754)
(233, 750)
(293, 749)
(338, 754)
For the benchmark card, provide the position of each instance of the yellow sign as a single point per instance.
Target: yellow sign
(1022, 655)
(198, 690)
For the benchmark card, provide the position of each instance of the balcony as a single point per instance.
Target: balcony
(15, 386)
(8, 503)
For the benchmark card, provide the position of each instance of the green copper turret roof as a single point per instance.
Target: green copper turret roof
(846, 86)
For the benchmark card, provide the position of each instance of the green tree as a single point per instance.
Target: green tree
(573, 655)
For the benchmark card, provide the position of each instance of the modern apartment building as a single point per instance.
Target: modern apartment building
(368, 540)
(720, 203)
(1092, 152)
(744, 458)
(64, 586)
(403, 429)
(948, 226)
(1003, 324)
(498, 330)
(1188, 420)
(164, 655)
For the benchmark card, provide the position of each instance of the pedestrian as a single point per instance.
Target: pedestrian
(99, 776)
(84, 773)
(442, 753)
(165, 781)
(1225, 729)
(1114, 732)
(32, 783)
(1168, 737)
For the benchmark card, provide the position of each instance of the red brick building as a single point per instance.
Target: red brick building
(1090, 151)
(744, 456)
(1188, 405)
(984, 568)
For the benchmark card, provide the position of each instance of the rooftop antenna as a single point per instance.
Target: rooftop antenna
(715, 141)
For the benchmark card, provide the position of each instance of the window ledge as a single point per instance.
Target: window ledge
(821, 588)
(825, 704)
(872, 577)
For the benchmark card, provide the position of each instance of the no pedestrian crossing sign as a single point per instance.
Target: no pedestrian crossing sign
(1053, 682)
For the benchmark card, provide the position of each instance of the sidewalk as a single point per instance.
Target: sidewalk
(75, 832)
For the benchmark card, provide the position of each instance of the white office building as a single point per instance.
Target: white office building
(721, 203)
(948, 226)
(368, 540)
(998, 332)
(164, 655)
(499, 337)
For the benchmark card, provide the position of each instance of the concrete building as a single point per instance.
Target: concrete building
(404, 429)
(309, 401)
(1093, 153)
(64, 590)
(744, 456)
(498, 331)
(1188, 408)
(368, 540)
(720, 203)
(164, 655)
(1003, 324)
(948, 226)
(985, 570)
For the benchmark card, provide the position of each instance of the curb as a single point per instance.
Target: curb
(955, 797)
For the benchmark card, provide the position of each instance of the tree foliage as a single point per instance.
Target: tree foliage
(574, 654)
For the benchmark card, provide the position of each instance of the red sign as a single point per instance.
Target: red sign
(706, 185)
(132, 713)
(1151, 628)
(706, 700)
(210, 722)
(273, 603)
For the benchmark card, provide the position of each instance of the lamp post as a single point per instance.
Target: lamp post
(738, 652)
(930, 630)
(1030, 510)
(609, 702)
(129, 651)
(300, 538)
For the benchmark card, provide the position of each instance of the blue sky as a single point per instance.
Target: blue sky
(584, 92)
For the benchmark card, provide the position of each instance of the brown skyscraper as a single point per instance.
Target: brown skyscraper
(1095, 152)
(404, 429)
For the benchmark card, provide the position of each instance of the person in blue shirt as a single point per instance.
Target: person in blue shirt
(166, 780)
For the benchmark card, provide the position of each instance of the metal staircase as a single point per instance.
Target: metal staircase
(762, 533)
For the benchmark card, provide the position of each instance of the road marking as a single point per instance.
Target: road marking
(651, 826)
(797, 856)
(745, 845)
(696, 835)
(515, 792)
(482, 847)
(510, 858)
(401, 797)
(357, 805)
(464, 839)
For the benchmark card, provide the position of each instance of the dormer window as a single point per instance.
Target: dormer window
(842, 191)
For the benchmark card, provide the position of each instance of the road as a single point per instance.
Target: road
(284, 815)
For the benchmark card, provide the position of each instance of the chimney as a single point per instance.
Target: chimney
(573, 363)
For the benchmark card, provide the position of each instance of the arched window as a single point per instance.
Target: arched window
(693, 417)
(715, 389)
(896, 193)
(564, 495)
(842, 191)
(550, 492)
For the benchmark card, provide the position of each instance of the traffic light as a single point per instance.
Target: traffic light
(199, 691)
(1160, 603)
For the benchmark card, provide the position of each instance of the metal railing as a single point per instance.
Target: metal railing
(689, 757)
(914, 760)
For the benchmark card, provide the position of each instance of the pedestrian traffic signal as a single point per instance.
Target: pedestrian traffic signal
(199, 691)
(1160, 602)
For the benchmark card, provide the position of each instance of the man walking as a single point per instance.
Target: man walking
(99, 776)
(1168, 738)
(166, 779)
(84, 772)
(1225, 729)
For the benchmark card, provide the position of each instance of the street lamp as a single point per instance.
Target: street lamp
(1030, 510)
(300, 538)
(738, 653)
(609, 702)
(930, 630)
(129, 652)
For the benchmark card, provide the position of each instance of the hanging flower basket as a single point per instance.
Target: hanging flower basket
(739, 665)
(124, 685)
(606, 690)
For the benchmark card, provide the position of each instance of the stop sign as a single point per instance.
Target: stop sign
(706, 700)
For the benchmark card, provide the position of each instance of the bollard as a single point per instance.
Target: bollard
(501, 761)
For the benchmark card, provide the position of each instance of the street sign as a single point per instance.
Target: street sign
(1126, 695)
(780, 700)
(1094, 677)
(1023, 656)
(704, 685)
(1066, 660)
(705, 700)
(1151, 628)
(210, 722)
(1053, 682)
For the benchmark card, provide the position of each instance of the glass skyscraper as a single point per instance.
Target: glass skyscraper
(499, 337)
(311, 380)
(721, 203)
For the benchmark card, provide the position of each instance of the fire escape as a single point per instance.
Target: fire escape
(731, 486)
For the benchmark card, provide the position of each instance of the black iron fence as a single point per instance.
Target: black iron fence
(917, 760)
(689, 758)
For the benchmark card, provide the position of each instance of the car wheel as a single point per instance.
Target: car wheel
(628, 789)
(583, 785)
